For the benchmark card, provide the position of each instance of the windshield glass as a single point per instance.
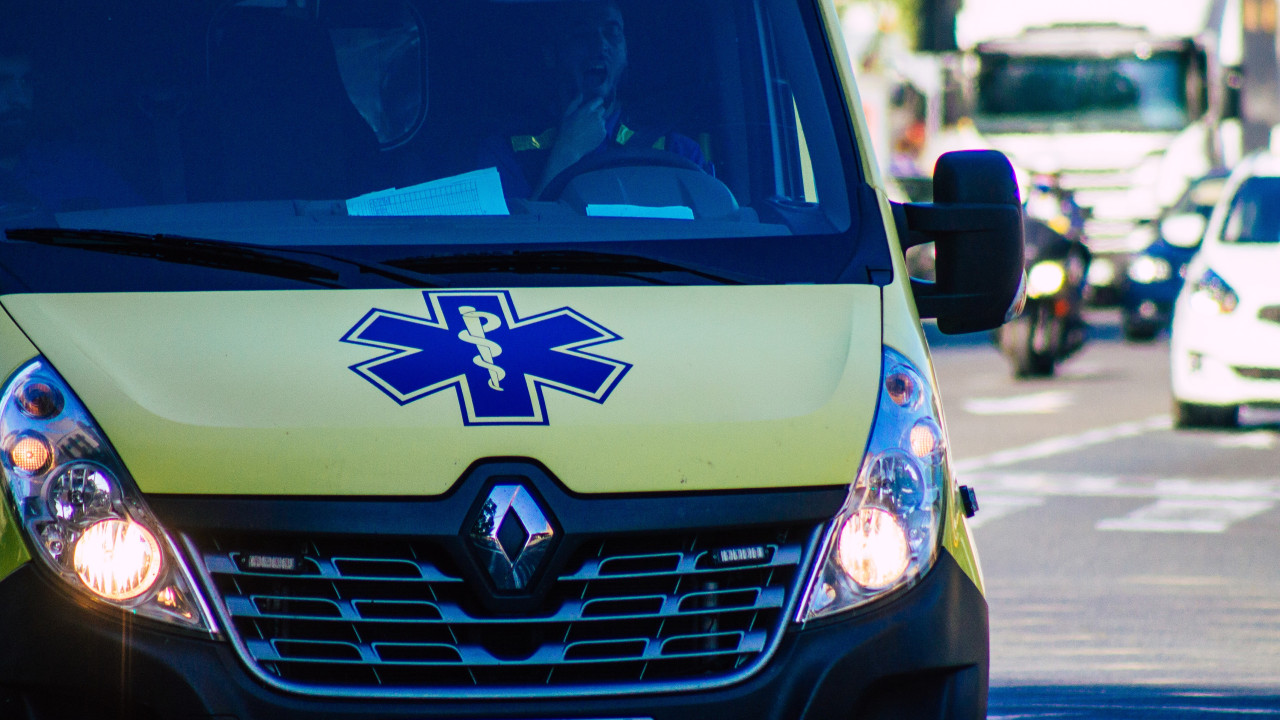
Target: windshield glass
(1082, 94)
(1201, 196)
(400, 133)
(1255, 212)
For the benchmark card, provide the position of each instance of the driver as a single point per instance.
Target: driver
(590, 59)
(38, 168)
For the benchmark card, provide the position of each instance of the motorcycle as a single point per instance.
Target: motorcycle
(1051, 326)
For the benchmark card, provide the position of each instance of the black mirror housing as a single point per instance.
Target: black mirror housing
(975, 224)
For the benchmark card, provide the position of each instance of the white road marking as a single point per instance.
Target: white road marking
(1064, 444)
(1181, 504)
(1080, 369)
(1203, 515)
(1257, 440)
(1120, 486)
(1043, 403)
(995, 506)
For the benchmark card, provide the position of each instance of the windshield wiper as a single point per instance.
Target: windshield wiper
(242, 257)
(561, 262)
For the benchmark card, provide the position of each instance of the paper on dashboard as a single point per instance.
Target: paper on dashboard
(667, 212)
(474, 193)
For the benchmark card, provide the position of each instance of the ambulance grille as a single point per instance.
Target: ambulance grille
(358, 616)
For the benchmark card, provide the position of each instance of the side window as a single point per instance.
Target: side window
(1236, 220)
(381, 49)
(808, 185)
(809, 174)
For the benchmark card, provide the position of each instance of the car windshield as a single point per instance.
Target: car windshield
(1084, 94)
(1201, 196)
(1255, 212)
(542, 142)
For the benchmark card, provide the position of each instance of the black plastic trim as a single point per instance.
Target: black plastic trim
(444, 514)
(924, 653)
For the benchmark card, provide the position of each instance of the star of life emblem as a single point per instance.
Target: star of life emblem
(510, 536)
(498, 364)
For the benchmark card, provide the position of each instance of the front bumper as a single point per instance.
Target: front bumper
(921, 653)
(1225, 360)
(1151, 302)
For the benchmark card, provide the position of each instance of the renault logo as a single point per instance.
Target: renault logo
(511, 535)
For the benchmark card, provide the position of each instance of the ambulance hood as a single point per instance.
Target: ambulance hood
(398, 392)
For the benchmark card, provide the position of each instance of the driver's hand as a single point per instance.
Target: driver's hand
(582, 129)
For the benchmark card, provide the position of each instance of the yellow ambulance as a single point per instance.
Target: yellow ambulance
(484, 359)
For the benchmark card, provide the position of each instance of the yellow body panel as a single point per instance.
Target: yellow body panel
(253, 393)
(15, 350)
(902, 329)
(904, 333)
(13, 552)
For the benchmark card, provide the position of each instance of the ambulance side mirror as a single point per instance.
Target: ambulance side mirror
(975, 224)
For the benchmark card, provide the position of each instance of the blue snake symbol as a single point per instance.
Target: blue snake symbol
(478, 323)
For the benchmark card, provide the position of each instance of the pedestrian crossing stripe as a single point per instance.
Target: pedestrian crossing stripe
(1180, 504)
(1182, 515)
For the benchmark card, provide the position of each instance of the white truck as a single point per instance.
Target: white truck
(1125, 100)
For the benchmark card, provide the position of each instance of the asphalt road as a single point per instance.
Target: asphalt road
(1132, 570)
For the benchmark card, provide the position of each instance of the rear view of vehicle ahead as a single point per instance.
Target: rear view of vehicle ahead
(469, 359)
(1225, 347)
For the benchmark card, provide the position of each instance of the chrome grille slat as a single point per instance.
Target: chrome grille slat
(548, 655)
(782, 557)
(390, 618)
(326, 569)
(569, 612)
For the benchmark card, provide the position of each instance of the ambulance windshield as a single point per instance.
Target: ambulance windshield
(393, 129)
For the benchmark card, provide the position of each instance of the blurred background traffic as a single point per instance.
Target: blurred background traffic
(1122, 120)
(1117, 105)
(1125, 453)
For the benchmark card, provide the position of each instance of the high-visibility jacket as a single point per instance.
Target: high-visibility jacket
(520, 159)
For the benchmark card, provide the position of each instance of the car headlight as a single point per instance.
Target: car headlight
(1146, 269)
(1045, 278)
(1210, 292)
(79, 509)
(885, 537)
(1102, 272)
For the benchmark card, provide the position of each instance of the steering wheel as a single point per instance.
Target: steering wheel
(614, 158)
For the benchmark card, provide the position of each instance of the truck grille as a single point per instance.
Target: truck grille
(346, 615)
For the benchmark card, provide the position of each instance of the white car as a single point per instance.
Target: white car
(1226, 323)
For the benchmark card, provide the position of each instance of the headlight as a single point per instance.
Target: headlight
(79, 509)
(1045, 278)
(886, 535)
(1102, 272)
(1146, 269)
(1213, 294)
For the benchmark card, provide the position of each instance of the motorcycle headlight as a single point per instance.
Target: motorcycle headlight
(886, 534)
(1212, 293)
(79, 509)
(1146, 269)
(1045, 278)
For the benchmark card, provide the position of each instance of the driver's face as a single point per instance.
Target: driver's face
(15, 103)
(595, 51)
